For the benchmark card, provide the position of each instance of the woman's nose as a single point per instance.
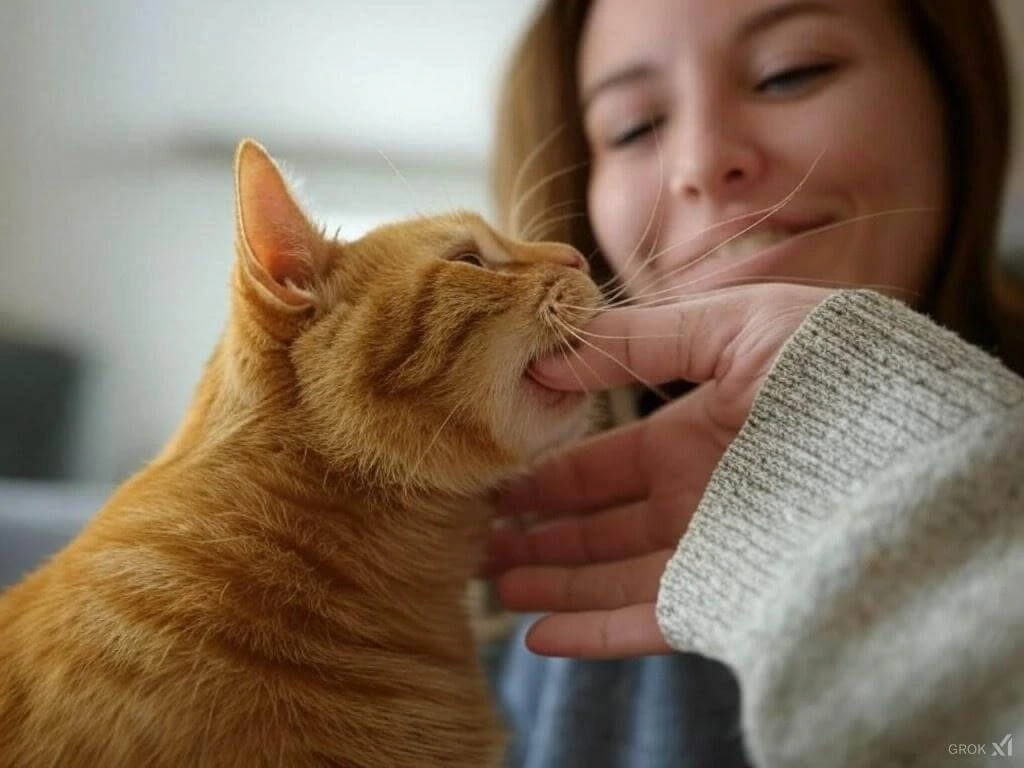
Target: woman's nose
(712, 159)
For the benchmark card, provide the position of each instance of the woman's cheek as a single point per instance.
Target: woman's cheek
(620, 208)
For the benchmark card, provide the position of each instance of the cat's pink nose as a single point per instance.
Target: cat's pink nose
(581, 263)
(572, 258)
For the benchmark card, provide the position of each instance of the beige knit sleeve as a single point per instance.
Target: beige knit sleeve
(858, 556)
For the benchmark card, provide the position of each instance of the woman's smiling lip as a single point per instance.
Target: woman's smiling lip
(747, 240)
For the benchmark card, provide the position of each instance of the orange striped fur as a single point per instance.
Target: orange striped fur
(284, 584)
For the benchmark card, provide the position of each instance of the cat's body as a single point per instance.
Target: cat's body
(284, 584)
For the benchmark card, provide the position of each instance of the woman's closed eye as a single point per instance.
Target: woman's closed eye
(795, 79)
(636, 132)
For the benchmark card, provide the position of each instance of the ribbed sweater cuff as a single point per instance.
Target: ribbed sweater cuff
(863, 381)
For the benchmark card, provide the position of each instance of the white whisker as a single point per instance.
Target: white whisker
(771, 211)
(643, 237)
(514, 216)
(551, 222)
(793, 279)
(433, 439)
(680, 299)
(765, 213)
(613, 297)
(520, 175)
(579, 357)
(408, 186)
(593, 335)
(657, 390)
(816, 231)
(532, 223)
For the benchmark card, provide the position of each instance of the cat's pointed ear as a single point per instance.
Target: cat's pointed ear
(283, 251)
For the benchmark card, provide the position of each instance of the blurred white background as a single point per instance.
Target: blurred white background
(118, 121)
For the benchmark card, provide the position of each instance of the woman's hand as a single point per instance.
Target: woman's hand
(616, 505)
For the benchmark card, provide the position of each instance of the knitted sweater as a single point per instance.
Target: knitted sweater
(858, 555)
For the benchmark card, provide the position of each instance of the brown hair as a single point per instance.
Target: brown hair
(961, 43)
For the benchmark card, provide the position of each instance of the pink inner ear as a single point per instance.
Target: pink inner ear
(275, 230)
(285, 258)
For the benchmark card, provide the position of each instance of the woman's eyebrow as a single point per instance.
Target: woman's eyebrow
(616, 79)
(777, 14)
(757, 23)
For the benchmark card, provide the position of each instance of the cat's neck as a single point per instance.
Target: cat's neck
(245, 393)
(247, 428)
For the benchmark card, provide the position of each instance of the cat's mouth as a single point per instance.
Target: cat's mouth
(541, 391)
(558, 311)
(547, 395)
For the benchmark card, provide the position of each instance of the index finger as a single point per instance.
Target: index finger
(604, 470)
(653, 345)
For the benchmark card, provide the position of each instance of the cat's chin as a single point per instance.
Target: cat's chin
(551, 417)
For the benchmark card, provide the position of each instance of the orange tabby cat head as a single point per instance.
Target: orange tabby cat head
(402, 355)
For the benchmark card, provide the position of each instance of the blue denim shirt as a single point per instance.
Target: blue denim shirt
(674, 711)
(654, 712)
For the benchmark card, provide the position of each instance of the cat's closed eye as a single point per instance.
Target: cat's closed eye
(469, 257)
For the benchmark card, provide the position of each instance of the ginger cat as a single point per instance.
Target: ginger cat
(283, 585)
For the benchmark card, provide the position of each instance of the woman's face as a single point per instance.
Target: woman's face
(700, 112)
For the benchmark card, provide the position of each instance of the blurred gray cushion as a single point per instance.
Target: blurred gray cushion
(38, 518)
(38, 404)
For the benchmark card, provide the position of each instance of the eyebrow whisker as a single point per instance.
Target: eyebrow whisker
(517, 208)
(521, 174)
(529, 228)
(544, 226)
